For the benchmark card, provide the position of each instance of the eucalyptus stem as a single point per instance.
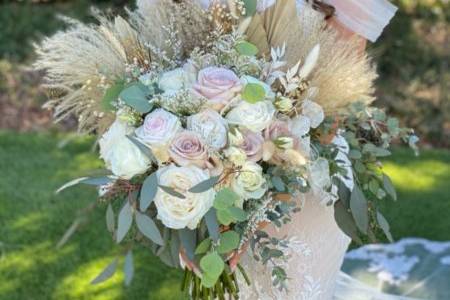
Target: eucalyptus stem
(220, 292)
(244, 274)
(186, 279)
(236, 284)
(229, 283)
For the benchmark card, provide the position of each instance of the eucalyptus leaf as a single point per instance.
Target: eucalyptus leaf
(128, 268)
(203, 247)
(224, 216)
(111, 95)
(95, 181)
(250, 7)
(253, 93)
(228, 242)
(124, 222)
(69, 233)
(144, 149)
(246, 48)
(381, 152)
(359, 208)
(208, 281)
(355, 154)
(172, 191)
(212, 224)
(384, 226)
(107, 273)
(238, 214)
(148, 191)
(374, 186)
(389, 187)
(175, 247)
(136, 97)
(278, 183)
(343, 193)
(225, 198)
(205, 185)
(148, 228)
(188, 240)
(345, 221)
(110, 222)
(212, 265)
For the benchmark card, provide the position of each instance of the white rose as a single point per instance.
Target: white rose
(173, 81)
(250, 183)
(255, 117)
(211, 127)
(236, 155)
(121, 156)
(270, 95)
(178, 213)
(159, 128)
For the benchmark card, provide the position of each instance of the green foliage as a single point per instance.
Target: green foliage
(148, 228)
(246, 48)
(205, 185)
(106, 273)
(124, 222)
(111, 96)
(148, 191)
(253, 93)
(135, 96)
(26, 22)
(128, 268)
(212, 266)
(228, 242)
(413, 57)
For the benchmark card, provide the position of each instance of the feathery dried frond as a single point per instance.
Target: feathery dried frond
(157, 20)
(342, 75)
(79, 64)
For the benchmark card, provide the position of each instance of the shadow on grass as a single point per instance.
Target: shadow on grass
(33, 219)
(423, 192)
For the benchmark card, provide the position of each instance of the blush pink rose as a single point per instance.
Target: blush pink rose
(277, 129)
(253, 145)
(218, 85)
(187, 148)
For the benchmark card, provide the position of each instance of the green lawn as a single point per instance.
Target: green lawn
(32, 219)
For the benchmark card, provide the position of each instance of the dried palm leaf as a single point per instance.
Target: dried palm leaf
(342, 75)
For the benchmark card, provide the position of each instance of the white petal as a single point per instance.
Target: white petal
(310, 62)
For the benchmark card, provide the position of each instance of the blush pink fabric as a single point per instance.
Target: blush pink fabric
(368, 18)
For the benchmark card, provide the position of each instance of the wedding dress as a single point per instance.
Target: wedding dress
(317, 245)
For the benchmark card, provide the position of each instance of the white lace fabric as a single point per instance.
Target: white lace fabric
(317, 252)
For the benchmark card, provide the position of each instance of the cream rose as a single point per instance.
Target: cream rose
(178, 213)
(236, 155)
(211, 127)
(218, 85)
(187, 148)
(250, 183)
(255, 117)
(121, 156)
(252, 145)
(173, 81)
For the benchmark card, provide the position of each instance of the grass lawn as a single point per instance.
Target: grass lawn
(32, 220)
